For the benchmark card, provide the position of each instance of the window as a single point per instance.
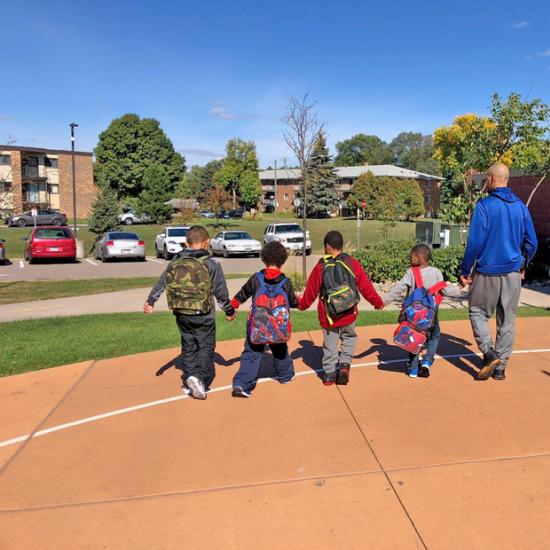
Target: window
(286, 196)
(427, 200)
(53, 188)
(288, 228)
(122, 236)
(5, 160)
(177, 231)
(50, 162)
(58, 233)
(5, 186)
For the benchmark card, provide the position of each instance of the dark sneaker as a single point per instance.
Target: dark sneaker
(490, 363)
(424, 370)
(499, 374)
(239, 392)
(197, 387)
(343, 375)
(329, 378)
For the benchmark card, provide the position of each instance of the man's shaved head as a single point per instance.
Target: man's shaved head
(497, 176)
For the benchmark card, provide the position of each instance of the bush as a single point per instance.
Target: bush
(249, 217)
(388, 260)
(297, 279)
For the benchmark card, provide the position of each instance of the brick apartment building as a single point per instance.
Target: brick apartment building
(279, 186)
(31, 176)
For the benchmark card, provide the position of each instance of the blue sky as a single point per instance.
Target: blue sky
(214, 70)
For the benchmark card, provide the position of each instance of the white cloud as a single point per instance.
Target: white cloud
(222, 112)
(520, 24)
(545, 53)
(201, 153)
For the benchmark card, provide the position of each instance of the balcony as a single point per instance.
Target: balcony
(268, 187)
(267, 202)
(31, 173)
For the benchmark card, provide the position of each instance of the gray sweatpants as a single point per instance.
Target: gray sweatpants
(487, 293)
(331, 339)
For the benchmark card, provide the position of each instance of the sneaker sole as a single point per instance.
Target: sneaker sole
(413, 375)
(240, 394)
(196, 391)
(487, 371)
(343, 378)
(424, 372)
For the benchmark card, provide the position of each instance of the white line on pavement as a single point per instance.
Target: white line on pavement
(141, 406)
(21, 264)
(32, 309)
(91, 262)
(156, 260)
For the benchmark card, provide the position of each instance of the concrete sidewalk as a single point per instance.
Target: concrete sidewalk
(121, 459)
(132, 300)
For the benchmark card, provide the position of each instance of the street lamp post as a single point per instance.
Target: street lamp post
(73, 125)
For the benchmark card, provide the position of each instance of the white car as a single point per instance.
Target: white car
(171, 241)
(231, 243)
(130, 217)
(291, 235)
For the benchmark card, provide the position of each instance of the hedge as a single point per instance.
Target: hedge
(388, 260)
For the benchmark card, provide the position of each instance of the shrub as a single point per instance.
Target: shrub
(388, 260)
(249, 217)
(297, 279)
(448, 260)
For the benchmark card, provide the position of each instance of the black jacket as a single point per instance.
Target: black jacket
(219, 286)
(251, 286)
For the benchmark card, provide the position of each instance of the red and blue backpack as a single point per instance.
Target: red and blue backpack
(418, 314)
(269, 318)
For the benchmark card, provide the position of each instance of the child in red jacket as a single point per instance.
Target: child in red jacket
(341, 327)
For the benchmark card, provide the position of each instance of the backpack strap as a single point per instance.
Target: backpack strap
(437, 288)
(417, 277)
(281, 284)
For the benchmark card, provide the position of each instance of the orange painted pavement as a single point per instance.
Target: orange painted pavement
(386, 462)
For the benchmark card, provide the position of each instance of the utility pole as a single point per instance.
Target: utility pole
(73, 125)
(275, 204)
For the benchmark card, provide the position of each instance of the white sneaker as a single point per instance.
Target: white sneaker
(186, 391)
(197, 387)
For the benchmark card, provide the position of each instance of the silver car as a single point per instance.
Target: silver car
(119, 244)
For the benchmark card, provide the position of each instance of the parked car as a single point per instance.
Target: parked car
(119, 244)
(231, 243)
(3, 252)
(50, 243)
(238, 213)
(46, 216)
(171, 241)
(291, 235)
(207, 214)
(130, 217)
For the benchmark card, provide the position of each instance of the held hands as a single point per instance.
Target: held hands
(465, 281)
(231, 317)
(147, 308)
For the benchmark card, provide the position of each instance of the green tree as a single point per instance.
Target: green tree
(127, 147)
(414, 151)
(239, 173)
(322, 196)
(152, 200)
(198, 180)
(409, 200)
(362, 149)
(373, 193)
(104, 214)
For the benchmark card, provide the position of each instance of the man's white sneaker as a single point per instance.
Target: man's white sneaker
(197, 387)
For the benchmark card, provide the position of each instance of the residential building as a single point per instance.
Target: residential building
(32, 176)
(279, 186)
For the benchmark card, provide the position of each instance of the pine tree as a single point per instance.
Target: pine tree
(157, 191)
(321, 194)
(105, 211)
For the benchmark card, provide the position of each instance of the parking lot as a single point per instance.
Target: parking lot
(19, 270)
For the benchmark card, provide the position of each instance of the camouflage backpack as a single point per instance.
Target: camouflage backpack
(188, 286)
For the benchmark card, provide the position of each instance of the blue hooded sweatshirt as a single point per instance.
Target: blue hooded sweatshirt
(502, 238)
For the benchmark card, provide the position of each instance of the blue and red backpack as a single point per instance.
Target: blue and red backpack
(269, 318)
(418, 314)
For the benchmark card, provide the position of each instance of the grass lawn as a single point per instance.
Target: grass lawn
(371, 230)
(28, 291)
(43, 343)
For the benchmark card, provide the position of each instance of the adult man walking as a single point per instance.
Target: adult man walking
(501, 243)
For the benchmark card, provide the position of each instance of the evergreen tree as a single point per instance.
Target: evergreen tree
(156, 192)
(127, 147)
(105, 211)
(321, 194)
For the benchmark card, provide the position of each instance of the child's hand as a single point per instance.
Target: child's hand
(231, 317)
(147, 308)
(299, 296)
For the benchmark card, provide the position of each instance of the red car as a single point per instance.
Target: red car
(50, 242)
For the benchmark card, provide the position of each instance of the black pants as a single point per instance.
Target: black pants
(198, 342)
